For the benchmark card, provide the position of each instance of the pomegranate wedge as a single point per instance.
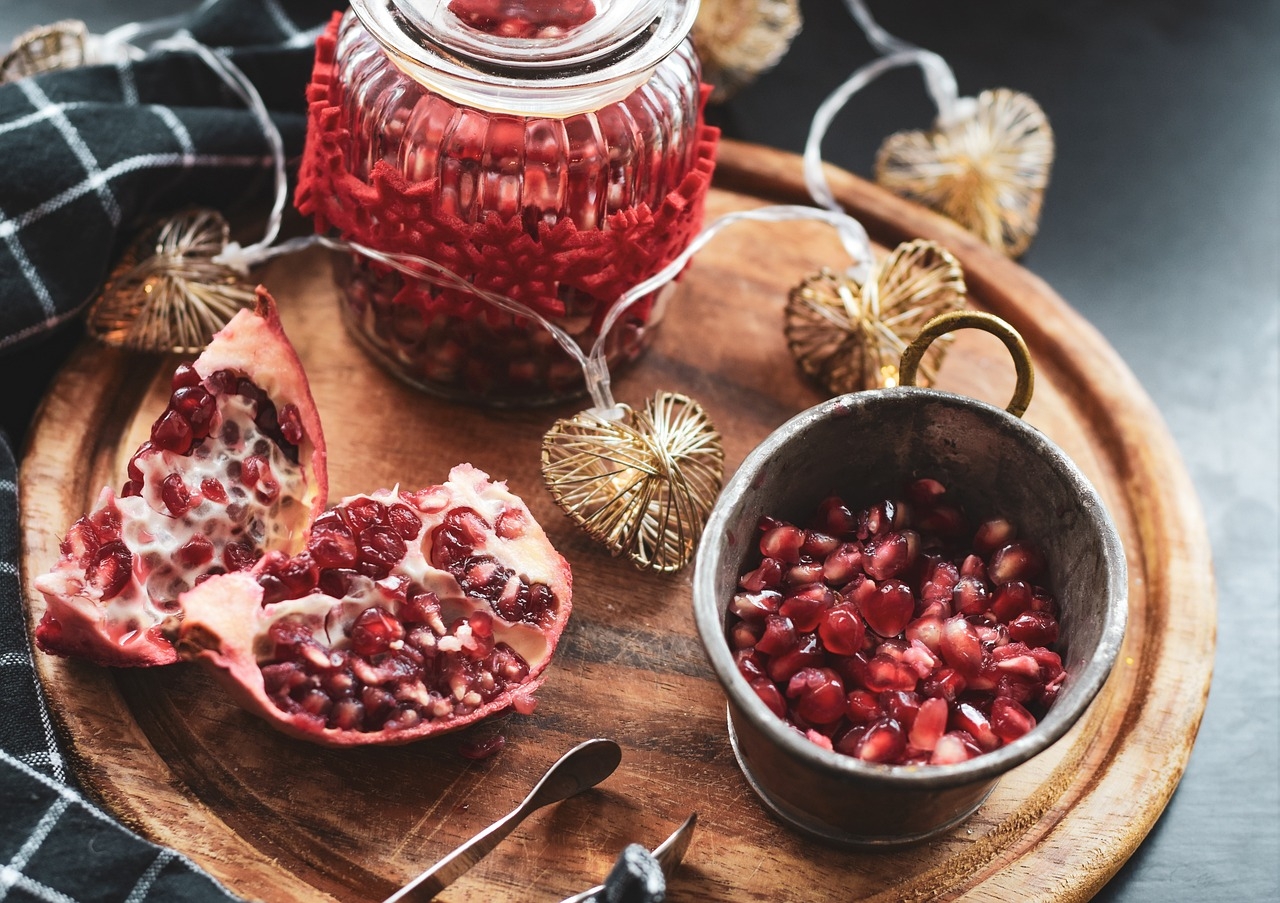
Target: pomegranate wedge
(234, 467)
(408, 614)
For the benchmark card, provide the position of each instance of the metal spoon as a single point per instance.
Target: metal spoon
(579, 769)
(669, 854)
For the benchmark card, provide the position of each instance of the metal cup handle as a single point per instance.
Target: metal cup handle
(973, 319)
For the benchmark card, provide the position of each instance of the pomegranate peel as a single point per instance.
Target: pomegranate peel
(190, 507)
(459, 627)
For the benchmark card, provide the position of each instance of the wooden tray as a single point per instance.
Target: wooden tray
(277, 819)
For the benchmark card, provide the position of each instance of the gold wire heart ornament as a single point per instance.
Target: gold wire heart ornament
(848, 336)
(642, 483)
(167, 294)
(987, 170)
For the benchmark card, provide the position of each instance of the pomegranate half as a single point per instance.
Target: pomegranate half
(234, 467)
(408, 614)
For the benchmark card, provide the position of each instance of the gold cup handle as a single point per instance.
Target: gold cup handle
(973, 319)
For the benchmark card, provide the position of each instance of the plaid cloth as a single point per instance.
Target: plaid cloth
(89, 154)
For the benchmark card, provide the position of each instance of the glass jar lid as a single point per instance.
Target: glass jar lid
(529, 56)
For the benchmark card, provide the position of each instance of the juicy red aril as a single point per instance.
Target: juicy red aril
(111, 569)
(818, 695)
(782, 542)
(1016, 561)
(940, 651)
(806, 606)
(195, 552)
(841, 630)
(379, 550)
(172, 432)
(374, 631)
(175, 495)
(1035, 628)
(888, 611)
(332, 545)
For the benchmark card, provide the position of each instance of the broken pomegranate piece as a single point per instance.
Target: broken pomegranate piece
(408, 614)
(898, 634)
(234, 467)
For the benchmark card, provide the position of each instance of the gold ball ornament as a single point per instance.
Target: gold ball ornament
(987, 169)
(167, 294)
(640, 483)
(848, 336)
(737, 40)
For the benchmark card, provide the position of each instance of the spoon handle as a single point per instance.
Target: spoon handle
(582, 767)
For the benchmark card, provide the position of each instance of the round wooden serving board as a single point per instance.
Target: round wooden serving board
(280, 820)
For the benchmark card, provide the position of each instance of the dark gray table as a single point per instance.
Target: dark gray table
(1162, 227)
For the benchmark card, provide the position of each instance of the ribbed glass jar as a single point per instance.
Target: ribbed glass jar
(495, 115)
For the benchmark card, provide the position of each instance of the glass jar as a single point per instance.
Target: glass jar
(552, 152)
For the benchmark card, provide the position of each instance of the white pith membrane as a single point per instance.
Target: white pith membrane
(265, 520)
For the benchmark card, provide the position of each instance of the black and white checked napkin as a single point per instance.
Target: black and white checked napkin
(87, 156)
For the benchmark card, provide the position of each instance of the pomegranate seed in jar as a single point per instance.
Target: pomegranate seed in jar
(897, 634)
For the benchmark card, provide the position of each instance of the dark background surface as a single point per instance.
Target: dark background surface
(1161, 226)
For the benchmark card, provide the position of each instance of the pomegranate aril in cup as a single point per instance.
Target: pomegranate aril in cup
(924, 643)
(234, 467)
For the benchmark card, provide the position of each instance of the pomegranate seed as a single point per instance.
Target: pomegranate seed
(835, 518)
(945, 683)
(968, 719)
(332, 545)
(803, 573)
(767, 576)
(889, 610)
(175, 495)
(926, 492)
(756, 606)
(239, 555)
(901, 706)
(940, 584)
(82, 542)
(893, 555)
(807, 652)
(973, 566)
(745, 634)
(380, 549)
(818, 544)
(842, 565)
(1009, 720)
(509, 525)
(926, 630)
(884, 673)
(782, 542)
(806, 606)
(1016, 561)
(884, 741)
(185, 375)
(992, 534)
(969, 596)
(291, 424)
(197, 407)
(1035, 628)
(818, 694)
(953, 748)
(213, 490)
(195, 552)
(779, 636)
(750, 664)
(1010, 600)
(171, 432)
(960, 647)
(288, 578)
(930, 723)
(863, 707)
(406, 522)
(111, 569)
(841, 629)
